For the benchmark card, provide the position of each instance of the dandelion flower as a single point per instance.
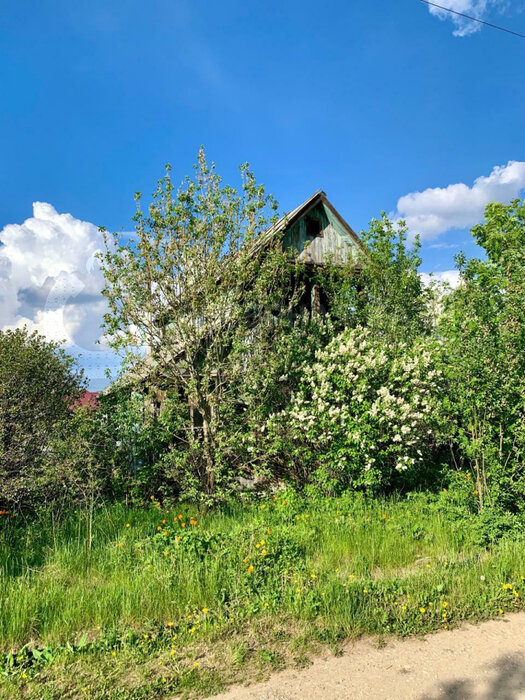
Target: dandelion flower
(128, 525)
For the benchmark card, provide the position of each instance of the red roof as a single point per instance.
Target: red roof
(88, 398)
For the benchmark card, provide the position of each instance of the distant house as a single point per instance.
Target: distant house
(90, 399)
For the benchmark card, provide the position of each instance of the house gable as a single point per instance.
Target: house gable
(317, 233)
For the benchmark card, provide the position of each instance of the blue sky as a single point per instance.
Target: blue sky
(370, 101)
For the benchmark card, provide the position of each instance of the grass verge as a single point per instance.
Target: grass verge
(167, 601)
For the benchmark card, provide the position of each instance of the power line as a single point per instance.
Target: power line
(474, 19)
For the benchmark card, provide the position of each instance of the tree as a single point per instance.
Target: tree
(198, 290)
(39, 384)
(384, 291)
(484, 328)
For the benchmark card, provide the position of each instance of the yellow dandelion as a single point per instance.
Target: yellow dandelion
(422, 610)
(128, 525)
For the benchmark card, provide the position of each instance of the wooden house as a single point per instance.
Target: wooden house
(318, 235)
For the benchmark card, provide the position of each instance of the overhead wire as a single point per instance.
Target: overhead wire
(474, 19)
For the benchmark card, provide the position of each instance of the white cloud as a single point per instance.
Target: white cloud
(50, 281)
(449, 277)
(475, 8)
(439, 209)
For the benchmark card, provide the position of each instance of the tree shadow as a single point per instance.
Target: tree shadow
(507, 683)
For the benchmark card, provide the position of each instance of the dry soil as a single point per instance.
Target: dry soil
(481, 662)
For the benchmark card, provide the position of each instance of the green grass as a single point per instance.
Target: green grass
(247, 589)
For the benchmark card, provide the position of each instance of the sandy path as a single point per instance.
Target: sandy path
(482, 662)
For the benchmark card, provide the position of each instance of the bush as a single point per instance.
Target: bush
(365, 415)
(39, 384)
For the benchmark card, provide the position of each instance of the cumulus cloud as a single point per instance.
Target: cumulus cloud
(475, 8)
(50, 282)
(439, 209)
(448, 277)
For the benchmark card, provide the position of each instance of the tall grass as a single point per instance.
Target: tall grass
(336, 567)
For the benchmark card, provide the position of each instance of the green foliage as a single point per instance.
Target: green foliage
(384, 292)
(203, 292)
(365, 414)
(236, 587)
(484, 354)
(39, 383)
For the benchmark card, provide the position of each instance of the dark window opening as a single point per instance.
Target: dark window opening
(313, 227)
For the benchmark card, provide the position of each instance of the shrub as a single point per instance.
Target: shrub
(39, 384)
(364, 415)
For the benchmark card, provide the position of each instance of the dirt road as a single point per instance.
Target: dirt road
(482, 662)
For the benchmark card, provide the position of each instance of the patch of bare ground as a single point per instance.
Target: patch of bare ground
(473, 662)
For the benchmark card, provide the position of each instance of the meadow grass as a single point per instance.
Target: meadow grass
(169, 600)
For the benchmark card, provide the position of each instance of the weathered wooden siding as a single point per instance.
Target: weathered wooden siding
(333, 243)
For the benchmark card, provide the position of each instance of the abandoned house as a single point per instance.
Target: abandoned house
(318, 235)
